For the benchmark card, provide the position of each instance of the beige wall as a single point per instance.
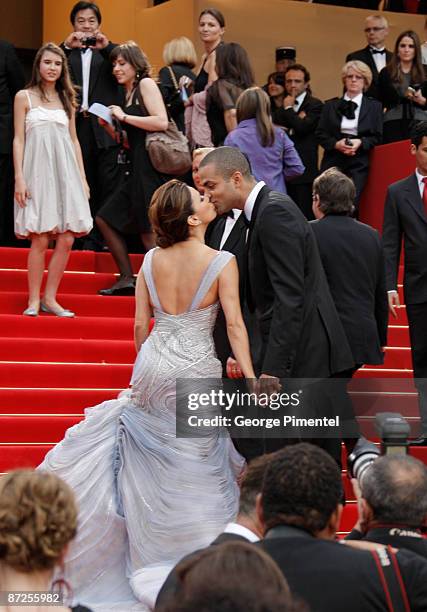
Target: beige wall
(322, 34)
(21, 22)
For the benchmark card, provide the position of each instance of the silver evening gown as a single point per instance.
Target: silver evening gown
(146, 498)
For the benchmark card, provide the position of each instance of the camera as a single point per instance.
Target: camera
(348, 142)
(90, 41)
(393, 431)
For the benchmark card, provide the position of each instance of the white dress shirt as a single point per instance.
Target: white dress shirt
(420, 178)
(241, 531)
(86, 60)
(250, 202)
(299, 100)
(349, 126)
(380, 59)
(229, 224)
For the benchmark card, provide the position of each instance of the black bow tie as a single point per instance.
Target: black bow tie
(230, 214)
(347, 108)
(84, 49)
(381, 51)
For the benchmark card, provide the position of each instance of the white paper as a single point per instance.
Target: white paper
(101, 111)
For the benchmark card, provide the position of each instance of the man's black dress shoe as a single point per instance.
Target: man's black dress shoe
(127, 289)
(421, 441)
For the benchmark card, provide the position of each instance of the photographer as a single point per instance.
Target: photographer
(392, 503)
(88, 53)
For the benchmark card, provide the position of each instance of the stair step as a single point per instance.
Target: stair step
(52, 401)
(398, 335)
(13, 456)
(54, 375)
(72, 282)
(35, 429)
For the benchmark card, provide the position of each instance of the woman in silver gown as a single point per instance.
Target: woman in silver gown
(146, 497)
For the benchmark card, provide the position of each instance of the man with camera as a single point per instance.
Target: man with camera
(299, 509)
(88, 53)
(392, 503)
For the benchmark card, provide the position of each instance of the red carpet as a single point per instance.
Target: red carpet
(52, 368)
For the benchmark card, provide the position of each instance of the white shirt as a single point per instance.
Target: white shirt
(229, 224)
(349, 126)
(420, 178)
(86, 60)
(299, 100)
(250, 202)
(241, 531)
(379, 58)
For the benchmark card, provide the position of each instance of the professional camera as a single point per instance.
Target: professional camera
(90, 41)
(393, 431)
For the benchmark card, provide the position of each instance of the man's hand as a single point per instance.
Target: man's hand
(74, 40)
(269, 384)
(233, 369)
(288, 101)
(393, 302)
(101, 40)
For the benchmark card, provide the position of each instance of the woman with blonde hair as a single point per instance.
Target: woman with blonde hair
(351, 126)
(51, 192)
(180, 58)
(38, 521)
(270, 151)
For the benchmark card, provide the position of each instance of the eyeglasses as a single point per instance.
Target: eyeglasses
(358, 77)
(374, 29)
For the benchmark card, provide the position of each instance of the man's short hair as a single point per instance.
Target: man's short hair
(82, 6)
(227, 161)
(395, 487)
(252, 483)
(378, 18)
(302, 69)
(336, 192)
(302, 487)
(418, 133)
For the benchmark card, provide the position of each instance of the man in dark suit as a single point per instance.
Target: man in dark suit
(300, 115)
(392, 504)
(11, 80)
(374, 55)
(300, 510)
(301, 335)
(246, 527)
(405, 216)
(91, 71)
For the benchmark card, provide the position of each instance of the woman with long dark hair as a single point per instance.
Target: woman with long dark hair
(127, 209)
(270, 151)
(403, 88)
(211, 30)
(51, 192)
(234, 76)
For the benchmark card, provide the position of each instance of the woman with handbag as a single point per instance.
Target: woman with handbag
(180, 58)
(127, 209)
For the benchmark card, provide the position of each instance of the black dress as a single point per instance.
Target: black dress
(127, 209)
(222, 96)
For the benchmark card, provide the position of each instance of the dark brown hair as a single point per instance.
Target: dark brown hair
(135, 56)
(254, 103)
(64, 86)
(301, 68)
(233, 65)
(216, 14)
(170, 207)
(336, 192)
(417, 70)
(38, 518)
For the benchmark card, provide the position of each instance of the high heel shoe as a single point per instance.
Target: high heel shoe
(64, 312)
(30, 312)
(120, 288)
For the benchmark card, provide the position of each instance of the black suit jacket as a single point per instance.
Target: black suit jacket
(302, 133)
(11, 80)
(353, 260)
(171, 585)
(404, 217)
(301, 334)
(103, 87)
(332, 577)
(398, 537)
(365, 56)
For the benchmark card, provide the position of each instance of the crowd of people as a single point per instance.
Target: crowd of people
(240, 284)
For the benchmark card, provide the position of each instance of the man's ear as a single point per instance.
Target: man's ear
(367, 514)
(236, 178)
(413, 149)
(335, 520)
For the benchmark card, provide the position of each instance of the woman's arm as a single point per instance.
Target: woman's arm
(20, 111)
(230, 119)
(292, 164)
(143, 311)
(228, 288)
(78, 152)
(157, 121)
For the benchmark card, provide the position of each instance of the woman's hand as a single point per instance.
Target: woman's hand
(22, 194)
(117, 112)
(86, 188)
(186, 82)
(418, 98)
(344, 148)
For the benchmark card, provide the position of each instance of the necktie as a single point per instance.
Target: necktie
(425, 195)
(374, 51)
(230, 214)
(84, 49)
(347, 108)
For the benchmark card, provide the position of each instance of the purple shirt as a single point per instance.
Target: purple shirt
(269, 164)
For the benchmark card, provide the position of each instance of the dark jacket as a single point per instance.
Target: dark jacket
(390, 96)
(353, 261)
(364, 55)
(396, 536)
(302, 133)
(11, 80)
(171, 95)
(302, 336)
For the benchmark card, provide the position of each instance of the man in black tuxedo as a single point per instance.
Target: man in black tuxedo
(300, 509)
(374, 55)
(301, 334)
(11, 80)
(392, 504)
(405, 216)
(91, 71)
(300, 115)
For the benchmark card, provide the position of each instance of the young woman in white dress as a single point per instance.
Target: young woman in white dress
(51, 192)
